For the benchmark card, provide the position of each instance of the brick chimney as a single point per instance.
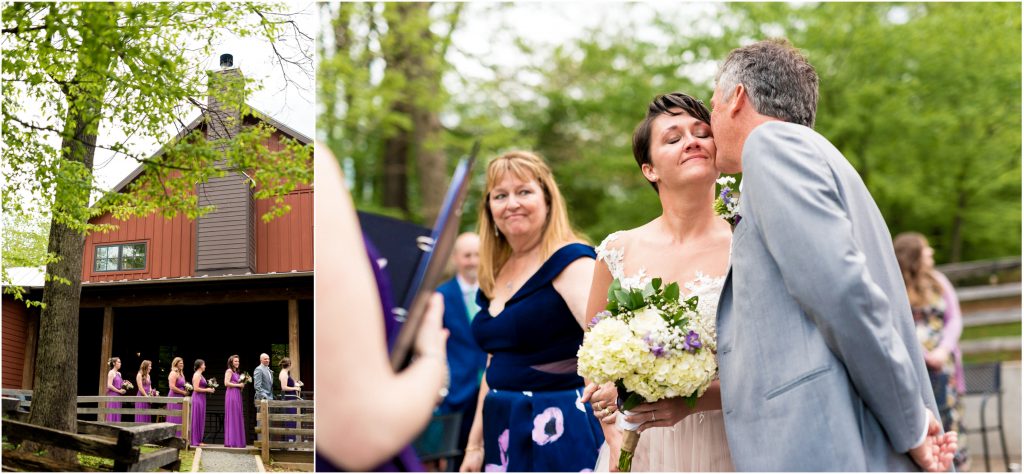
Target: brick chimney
(226, 237)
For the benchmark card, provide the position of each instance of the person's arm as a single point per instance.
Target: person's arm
(171, 382)
(669, 411)
(791, 197)
(227, 379)
(953, 324)
(604, 397)
(473, 457)
(374, 412)
(257, 381)
(283, 378)
(110, 381)
(573, 284)
(138, 384)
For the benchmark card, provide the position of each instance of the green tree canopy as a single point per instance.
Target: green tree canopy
(923, 99)
(72, 71)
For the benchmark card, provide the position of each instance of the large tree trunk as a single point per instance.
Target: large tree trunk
(55, 383)
(394, 164)
(431, 164)
(419, 58)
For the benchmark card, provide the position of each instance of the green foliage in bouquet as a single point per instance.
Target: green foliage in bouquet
(623, 302)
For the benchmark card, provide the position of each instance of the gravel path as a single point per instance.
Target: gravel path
(221, 461)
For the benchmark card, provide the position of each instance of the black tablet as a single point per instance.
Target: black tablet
(436, 249)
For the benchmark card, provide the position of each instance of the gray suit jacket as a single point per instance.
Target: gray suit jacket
(820, 366)
(263, 382)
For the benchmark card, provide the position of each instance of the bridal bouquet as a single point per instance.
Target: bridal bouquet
(299, 383)
(727, 203)
(212, 382)
(127, 385)
(189, 387)
(653, 346)
(244, 378)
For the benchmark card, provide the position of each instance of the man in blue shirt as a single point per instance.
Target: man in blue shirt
(466, 361)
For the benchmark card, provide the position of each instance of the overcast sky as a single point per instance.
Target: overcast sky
(289, 105)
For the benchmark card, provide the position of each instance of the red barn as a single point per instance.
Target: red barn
(157, 288)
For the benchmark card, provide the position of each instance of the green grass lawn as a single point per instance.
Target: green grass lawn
(994, 330)
(991, 357)
(96, 463)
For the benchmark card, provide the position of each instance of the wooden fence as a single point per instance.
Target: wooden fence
(89, 407)
(284, 425)
(121, 445)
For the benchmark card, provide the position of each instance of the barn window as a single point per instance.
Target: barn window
(120, 257)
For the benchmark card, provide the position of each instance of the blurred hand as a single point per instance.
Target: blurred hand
(664, 413)
(472, 461)
(935, 359)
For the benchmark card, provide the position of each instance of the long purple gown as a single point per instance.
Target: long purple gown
(234, 420)
(180, 384)
(198, 413)
(118, 382)
(147, 385)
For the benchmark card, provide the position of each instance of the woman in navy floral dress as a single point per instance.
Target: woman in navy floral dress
(534, 282)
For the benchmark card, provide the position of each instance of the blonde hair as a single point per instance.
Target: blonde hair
(144, 368)
(495, 249)
(174, 364)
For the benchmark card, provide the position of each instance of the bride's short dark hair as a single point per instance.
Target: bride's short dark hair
(673, 104)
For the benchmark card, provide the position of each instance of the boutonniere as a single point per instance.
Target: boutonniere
(727, 204)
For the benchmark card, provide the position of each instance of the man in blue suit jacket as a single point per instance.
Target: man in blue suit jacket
(466, 361)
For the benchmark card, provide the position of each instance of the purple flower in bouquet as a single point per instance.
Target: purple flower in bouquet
(692, 342)
(598, 317)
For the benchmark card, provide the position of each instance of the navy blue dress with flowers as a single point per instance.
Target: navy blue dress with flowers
(533, 419)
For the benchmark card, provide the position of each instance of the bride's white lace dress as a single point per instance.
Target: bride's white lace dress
(698, 442)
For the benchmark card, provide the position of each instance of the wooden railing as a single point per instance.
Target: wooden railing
(989, 269)
(271, 431)
(120, 445)
(96, 406)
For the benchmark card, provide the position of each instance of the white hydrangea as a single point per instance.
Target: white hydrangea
(681, 375)
(610, 351)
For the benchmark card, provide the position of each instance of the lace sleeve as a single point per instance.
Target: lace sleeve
(611, 256)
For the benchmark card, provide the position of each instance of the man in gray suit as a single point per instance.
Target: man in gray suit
(263, 379)
(819, 363)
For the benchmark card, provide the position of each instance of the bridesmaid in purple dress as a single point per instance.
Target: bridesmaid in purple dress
(199, 391)
(145, 385)
(234, 420)
(114, 383)
(176, 382)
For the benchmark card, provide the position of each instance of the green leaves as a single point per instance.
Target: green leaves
(73, 70)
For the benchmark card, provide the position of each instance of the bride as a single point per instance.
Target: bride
(687, 244)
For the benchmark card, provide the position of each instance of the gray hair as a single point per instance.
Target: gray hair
(778, 78)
